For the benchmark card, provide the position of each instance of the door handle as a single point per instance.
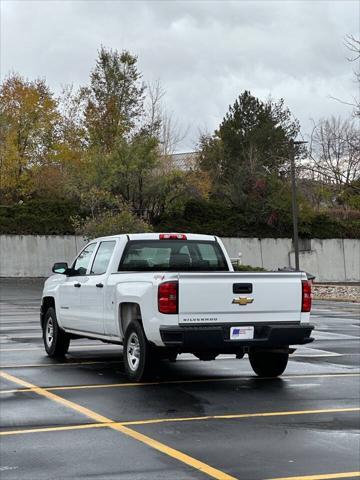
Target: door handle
(77, 285)
(99, 285)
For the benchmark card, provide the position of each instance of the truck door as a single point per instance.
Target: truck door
(92, 291)
(69, 291)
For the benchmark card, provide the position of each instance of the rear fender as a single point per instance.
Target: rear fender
(140, 294)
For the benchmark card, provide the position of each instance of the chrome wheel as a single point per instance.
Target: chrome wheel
(133, 352)
(49, 334)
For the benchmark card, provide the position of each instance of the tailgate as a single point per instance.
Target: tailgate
(211, 298)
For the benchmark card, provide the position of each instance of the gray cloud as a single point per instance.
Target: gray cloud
(204, 52)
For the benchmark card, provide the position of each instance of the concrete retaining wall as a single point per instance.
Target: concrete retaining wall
(34, 255)
(334, 260)
(330, 260)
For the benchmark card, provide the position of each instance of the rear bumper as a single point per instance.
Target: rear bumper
(217, 338)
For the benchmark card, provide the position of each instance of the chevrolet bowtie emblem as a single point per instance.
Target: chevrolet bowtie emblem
(243, 300)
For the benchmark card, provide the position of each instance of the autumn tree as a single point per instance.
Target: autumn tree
(73, 143)
(29, 131)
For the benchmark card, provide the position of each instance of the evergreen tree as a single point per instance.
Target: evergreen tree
(251, 143)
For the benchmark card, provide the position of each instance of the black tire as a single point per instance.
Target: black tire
(268, 363)
(56, 341)
(139, 356)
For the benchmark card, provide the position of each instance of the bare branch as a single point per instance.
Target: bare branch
(352, 44)
(334, 151)
(343, 101)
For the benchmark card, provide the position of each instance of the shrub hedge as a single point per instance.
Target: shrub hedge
(211, 217)
(53, 217)
(38, 217)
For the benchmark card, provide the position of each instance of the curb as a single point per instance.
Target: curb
(336, 299)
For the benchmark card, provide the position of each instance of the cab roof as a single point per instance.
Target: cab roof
(156, 236)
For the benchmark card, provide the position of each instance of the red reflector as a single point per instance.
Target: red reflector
(168, 297)
(172, 236)
(306, 296)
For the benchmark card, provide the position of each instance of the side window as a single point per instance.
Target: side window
(102, 258)
(83, 260)
(210, 256)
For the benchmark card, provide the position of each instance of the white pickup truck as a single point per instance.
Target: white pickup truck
(161, 294)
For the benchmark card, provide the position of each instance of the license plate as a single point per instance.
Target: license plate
(241, 333)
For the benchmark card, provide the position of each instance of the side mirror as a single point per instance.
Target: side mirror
(60, 267)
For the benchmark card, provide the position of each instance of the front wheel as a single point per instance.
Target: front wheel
(56, 341)
(139, 356)
(268, 363)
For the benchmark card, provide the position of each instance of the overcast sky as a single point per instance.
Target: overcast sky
(204, 52)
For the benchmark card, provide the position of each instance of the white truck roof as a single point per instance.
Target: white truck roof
(156, 236)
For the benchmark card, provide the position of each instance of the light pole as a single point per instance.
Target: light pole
(295, 213)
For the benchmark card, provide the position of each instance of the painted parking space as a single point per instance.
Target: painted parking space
(229, 396)
(80, 417)
(31, 411)
(192, 461)
(268, 448)
(100, 453)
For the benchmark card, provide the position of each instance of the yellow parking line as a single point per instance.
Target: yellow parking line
(73, 347)
(81, 387)
(180, 456)
(242, 415)
(51, 396)
(114, 424)
(171, 452)
(169, 382)
(55, 429)
(36, 365)
(325, 476)
(161, 447)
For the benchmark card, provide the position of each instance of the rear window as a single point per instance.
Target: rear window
(173, 255)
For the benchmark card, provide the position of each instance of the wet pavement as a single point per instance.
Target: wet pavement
(81, 418)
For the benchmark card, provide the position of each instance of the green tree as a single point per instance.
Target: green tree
(136, 173)
(132, 170)
(110, 223)
(251, 143)
(114, 100)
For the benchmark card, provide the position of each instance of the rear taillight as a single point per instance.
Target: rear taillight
(168, 297)
(306, 296)
(172, 236)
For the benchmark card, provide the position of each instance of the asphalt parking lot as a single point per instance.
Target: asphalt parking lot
(80, 418)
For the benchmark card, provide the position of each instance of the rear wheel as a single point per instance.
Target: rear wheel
(268, 363)
(56, 341)
(139, 356)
